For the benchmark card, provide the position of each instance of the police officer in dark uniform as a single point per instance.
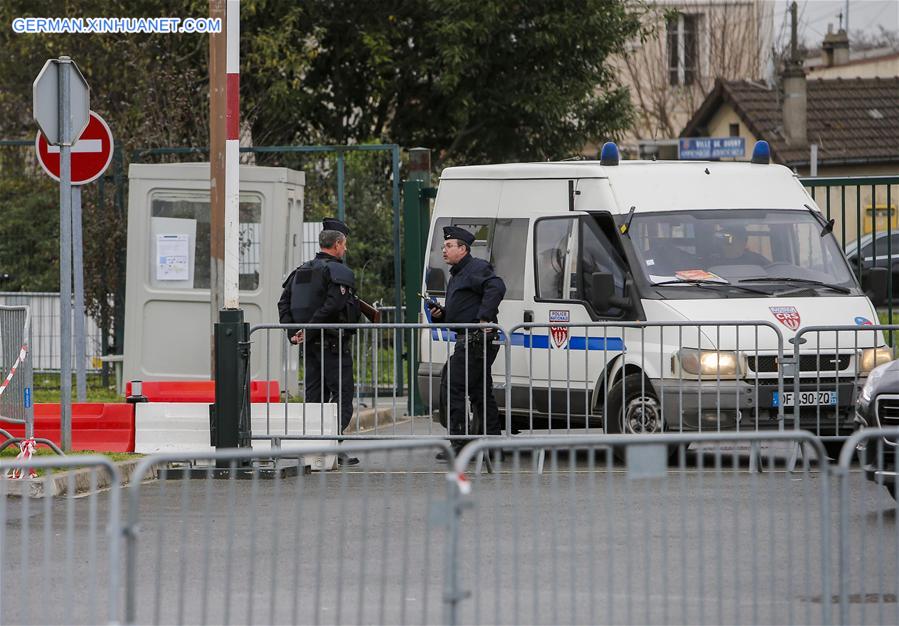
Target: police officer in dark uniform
(323, 291)
(472, 295)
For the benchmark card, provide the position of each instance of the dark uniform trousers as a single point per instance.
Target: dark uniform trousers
(330, 363)
(468, 374)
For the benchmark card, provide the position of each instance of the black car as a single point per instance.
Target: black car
(870, 251)
(878, 407)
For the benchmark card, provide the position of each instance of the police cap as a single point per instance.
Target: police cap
(454, 232)
(332, 224)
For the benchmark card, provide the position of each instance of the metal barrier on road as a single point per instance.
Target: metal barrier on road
(868, 557)
(681, 532)
(704, 541)
(59, 553)
(16, 367)
(357, 347)
(609, 377)
(645, 377)
(833, 363)
(365, 544)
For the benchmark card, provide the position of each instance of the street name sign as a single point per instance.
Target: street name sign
(708, 148)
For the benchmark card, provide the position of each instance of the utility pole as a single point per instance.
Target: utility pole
(218, 103)
(230, 354)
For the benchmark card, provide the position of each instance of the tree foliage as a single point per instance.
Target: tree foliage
(475, 80)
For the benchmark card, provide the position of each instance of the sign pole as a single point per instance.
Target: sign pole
(78, 273)
(61, 100)
(65, 254)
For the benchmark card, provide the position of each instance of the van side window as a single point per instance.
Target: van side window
(553, 242)
(598, 254)
(508, 252)
(567, 252)
(437, 272)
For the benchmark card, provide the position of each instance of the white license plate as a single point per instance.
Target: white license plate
(806, 398)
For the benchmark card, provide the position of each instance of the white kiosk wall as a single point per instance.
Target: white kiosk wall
(167, 309)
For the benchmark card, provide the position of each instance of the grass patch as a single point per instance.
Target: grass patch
(13, 451)
(884, 316)
(46, 389)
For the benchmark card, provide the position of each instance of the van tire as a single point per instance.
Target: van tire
(634, 408)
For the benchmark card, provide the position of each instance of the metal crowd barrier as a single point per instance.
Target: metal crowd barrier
(868, 556)
(645, 377)
(358, 545)
(16, 367)
(375, 416)
(609, 377)
(833, 362)
(681, 532)
(704, 541)
(550, 378)
(59, 551)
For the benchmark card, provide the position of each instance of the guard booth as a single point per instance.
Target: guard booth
(167, 298)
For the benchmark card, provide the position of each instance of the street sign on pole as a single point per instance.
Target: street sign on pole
(91, 154)
(62, 110)
(46, 96)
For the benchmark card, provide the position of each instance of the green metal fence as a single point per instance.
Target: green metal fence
(866, 223)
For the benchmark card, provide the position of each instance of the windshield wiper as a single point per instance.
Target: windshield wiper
(804, 281)
(826, 225)
(703, 282)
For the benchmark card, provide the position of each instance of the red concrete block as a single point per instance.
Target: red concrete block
(200, 390)
(95, 426)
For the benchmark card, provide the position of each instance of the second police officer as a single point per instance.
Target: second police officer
(323, 291)
(473, 295)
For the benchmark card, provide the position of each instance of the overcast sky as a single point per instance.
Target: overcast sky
(814, 15)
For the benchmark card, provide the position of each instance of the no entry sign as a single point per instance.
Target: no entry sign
(91, 154)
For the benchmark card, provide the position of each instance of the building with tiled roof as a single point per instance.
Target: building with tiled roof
(853, 122)
(848, 127)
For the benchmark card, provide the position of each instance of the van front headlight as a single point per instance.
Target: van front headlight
(869, 358)
(708, 363)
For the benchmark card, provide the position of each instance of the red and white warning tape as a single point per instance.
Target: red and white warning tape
(23, 351)
(27, 448)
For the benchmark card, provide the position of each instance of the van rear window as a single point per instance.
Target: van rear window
(500, 241)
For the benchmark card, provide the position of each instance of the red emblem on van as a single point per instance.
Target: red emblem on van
(559, 334)
(786, 315)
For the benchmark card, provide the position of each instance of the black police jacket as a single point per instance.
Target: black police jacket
(473, 293)
(320, 291)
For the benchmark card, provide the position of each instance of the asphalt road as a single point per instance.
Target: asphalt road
(581, 543)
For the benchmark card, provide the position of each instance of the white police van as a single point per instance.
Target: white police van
(657, 242)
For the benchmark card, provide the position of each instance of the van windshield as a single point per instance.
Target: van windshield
(767, 249)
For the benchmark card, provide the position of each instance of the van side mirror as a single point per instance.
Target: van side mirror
(877, 285)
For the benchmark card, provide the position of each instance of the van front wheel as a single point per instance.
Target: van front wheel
(633, 408)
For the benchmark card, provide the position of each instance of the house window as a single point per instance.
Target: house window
(682, 52)
(734, 130)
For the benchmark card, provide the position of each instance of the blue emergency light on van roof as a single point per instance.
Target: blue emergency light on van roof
(761, 153)
(609, 154)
